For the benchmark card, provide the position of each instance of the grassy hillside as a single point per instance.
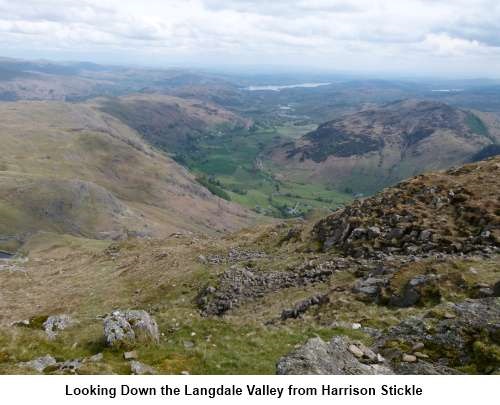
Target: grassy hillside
(70, 168)
(171, 123)
(376, 147)
(186, 283)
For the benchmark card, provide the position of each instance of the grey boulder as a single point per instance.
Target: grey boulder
(138, 368)
(56, 323)
(39, 364)
(126, 328)
(317, 357)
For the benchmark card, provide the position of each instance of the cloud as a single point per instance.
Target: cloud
(342, 34)
(448, 46)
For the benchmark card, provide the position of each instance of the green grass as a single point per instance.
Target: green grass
(476, 125)
(236, 162)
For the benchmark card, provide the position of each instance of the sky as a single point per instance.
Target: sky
(455, 38)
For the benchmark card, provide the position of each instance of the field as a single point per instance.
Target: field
(235, 163)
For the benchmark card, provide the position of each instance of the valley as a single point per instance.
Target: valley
(185, 222)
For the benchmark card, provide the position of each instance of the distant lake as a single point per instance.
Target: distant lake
(447, 90)
(288, 86)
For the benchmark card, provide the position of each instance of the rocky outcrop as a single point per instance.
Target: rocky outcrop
(56, 323)
(126, 328)
(340, 356)
(39, 364)
(302, 306)
(238, 284)
(464, 335)
(419, 290)
(447, 212)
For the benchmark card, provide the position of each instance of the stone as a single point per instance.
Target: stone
(454, 338)
(317, 357)
(358, 233)
(419, 290)
(356, 326)
(39, 364)
(188, 344)
(138, 368)
(130, 355)
(368, 354)
(126, 328)
(417, 346)
(21, 323)
(373, 232)
(369, 289)
(420, 355)
(96, 358)
(55, 323)
(68, 367)
(425, 235)
(484, 292)
(409, 358)
(356, 351)
(302, 306)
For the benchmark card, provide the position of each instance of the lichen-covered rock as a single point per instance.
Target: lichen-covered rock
(449, 212)
(39, 364)
(370, 289)
(465, 334)
(420, 289)
(319, 357)
(126, 328)
(56, 323)
(65, 367)
(237, 285)
(138, 368)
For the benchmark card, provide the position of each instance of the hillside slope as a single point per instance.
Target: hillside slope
(371, 149)
(266, 299)
(171, 123)
(69, 168)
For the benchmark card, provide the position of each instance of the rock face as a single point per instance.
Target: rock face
(125, 328)
(337, 357)
(56, 323)
(456, 335)
(450, 212)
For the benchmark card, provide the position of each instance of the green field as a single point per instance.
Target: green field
(234, 164)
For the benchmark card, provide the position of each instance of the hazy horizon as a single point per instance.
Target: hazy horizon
(410, 38)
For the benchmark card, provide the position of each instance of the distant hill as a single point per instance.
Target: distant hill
(77, 81)
(171, 123)
(371, 149)
(70, 168)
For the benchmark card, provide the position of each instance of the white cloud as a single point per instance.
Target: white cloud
(345, 34)
(448, 46)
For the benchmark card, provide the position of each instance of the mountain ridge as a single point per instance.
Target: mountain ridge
(379, 146)
(71, 168)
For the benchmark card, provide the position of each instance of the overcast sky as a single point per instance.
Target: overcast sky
(441, 37)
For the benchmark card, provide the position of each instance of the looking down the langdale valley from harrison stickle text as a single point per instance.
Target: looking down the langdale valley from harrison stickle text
(178, 199)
